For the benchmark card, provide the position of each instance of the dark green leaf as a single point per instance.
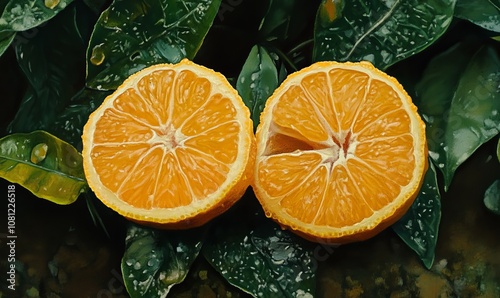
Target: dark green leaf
(419, 227)
(53, 62)
(131, 35)
(257, 81)
(484, 13)
(382, 32)
(70, 121)
(264, 262)
(285, 19)
(21, 15)
(48, 167)
(96, 5)
(6, 39)
(459, 99)
(492, 197)
(155, 260)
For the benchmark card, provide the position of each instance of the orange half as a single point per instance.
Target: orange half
(173, 146)
(341, 152)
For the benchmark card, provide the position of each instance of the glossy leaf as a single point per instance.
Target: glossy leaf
(6, 39)
(459, 99)
(484, 13)
(382, 32)
(156, 260)
(70, 121)
(45, 165)
(21, 15)
(492, 197)
(131, 35)
(53, 61)
(264, 262)
(285, 19)
(419, 227)
(498, 150)
(257, 81)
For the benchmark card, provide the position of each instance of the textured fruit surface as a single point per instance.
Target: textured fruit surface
(341, 152)
(173, 146)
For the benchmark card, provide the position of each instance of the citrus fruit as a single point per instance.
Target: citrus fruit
(173, 146)
(341, 152)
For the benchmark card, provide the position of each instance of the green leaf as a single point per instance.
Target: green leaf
(419, 227)
(70, 121)
(498, 150)
(21, 15)
(257, 81)
(131, 35)
(459, 99)
(285, 19)
(6, 39)
(382, 32)
(53, 61)
(484, 13)
(155, 260)
(492, 197)
(265, 261)
(45, 165)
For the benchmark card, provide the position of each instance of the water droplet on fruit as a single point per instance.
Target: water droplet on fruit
(97, 56)
(38, 153)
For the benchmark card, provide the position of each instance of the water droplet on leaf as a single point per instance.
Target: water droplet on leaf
(97, 56)
(38, 153)
(51, 3)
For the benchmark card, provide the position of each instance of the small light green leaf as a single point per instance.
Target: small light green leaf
(498, 150)
(155, 260)
(50, 61)
(484, 13)
(492, 197)
(382, 31)
(45, 165)
(459, 99)
(257, 81)
(264, 262)
(131, 35)
(6, 39)
(21, 15)
(419, 227)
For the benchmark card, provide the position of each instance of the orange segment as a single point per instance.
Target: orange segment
(172, 147)
(341, 152)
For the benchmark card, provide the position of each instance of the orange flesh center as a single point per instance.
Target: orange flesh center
(168, 139)
(339, 148)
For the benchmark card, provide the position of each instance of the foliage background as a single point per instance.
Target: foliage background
(445, 53)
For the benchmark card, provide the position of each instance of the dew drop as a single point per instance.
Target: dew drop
(97, 56)
(51, 3)
(38, 153)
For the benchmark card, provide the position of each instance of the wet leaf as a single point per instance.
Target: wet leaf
(419, 227)
(257, 81)
(21, 15)
(459, 99)
(131, 35)
(498, 150)
(265, 261)
(53, 74)
(156, 260)
(45, 165)
(484, 13)
(382, 32)
(492, 197)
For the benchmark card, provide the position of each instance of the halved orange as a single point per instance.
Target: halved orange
(341, 152)
(173, 146)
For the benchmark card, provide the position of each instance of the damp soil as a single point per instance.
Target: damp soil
(61, 253)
